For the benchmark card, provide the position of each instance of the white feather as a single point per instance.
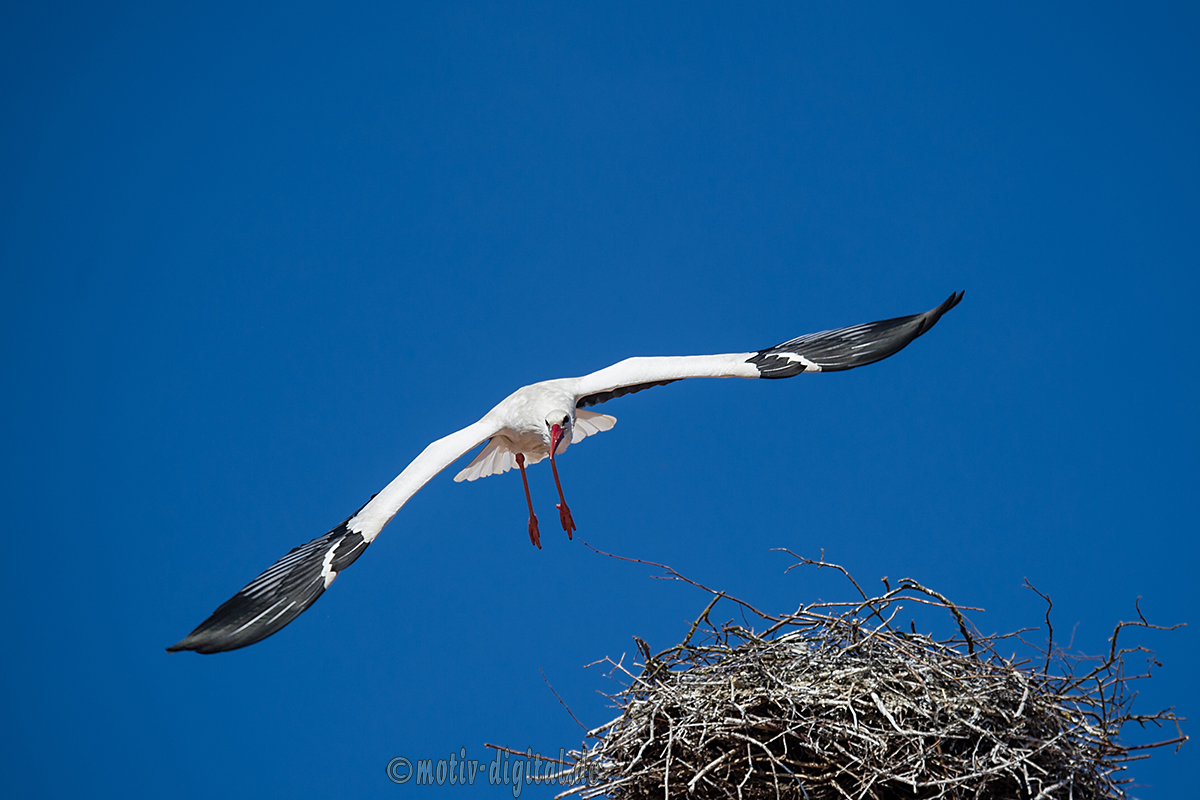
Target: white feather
(589, 422)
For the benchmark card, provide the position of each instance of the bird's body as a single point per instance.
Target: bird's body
(535, 422)
(519, 423)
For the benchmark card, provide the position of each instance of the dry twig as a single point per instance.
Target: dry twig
(832, 701)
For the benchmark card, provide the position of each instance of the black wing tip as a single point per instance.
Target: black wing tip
(847, 348)
(930, 317)
(294, 582)
(950, 302)
(214, 634)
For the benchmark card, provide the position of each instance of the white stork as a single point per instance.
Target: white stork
(532, 423)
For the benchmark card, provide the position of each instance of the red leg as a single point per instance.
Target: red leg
(564, 513)
(533, 526)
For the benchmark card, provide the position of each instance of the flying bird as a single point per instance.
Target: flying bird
(535, 422)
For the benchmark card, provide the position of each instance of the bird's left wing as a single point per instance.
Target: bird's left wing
(827, 351)
(294, 582)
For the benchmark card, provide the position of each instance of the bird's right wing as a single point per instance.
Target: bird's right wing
(827, 351)
(294, 582)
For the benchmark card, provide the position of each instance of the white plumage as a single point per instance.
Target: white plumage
(499, 455)
(522, 430)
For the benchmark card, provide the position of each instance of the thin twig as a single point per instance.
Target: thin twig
(831, 701)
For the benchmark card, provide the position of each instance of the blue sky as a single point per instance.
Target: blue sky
(255, 259)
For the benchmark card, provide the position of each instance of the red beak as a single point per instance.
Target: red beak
(555, 436)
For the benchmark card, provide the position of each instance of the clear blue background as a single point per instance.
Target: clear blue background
(254, 259)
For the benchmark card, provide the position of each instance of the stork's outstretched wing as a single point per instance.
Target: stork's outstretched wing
(294, 582)
(827, 351)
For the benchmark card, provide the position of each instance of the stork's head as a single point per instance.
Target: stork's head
(558, 430)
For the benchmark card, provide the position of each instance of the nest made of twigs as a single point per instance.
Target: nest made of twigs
(833, 701)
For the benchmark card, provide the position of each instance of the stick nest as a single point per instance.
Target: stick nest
(834, 701)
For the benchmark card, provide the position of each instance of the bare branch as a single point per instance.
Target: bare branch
(832, 701)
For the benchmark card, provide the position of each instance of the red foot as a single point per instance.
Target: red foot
(564, 516)
(534, 536)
